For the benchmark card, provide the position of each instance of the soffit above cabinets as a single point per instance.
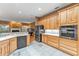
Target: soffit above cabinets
(26, 12)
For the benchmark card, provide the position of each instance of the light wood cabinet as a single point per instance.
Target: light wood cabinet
(69, 15)
(46, 23)
(51, 22)
(53, 41)
(63, 17)
(56, 22)
(68, 46)
(0, 50)
(4, 48)
(40, 21)
(32, 38)
(72, 14)
(13, 44)
(44, 39)
(8, 46)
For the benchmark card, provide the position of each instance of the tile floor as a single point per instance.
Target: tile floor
(38, 49)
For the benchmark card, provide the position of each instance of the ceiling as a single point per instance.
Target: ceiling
(26, 12)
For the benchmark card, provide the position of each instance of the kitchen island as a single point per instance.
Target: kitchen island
(8, 42)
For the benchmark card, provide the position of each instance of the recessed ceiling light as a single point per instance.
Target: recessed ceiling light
(20, 12)
(39, 9)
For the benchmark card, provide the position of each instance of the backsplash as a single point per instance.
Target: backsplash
(52, 31)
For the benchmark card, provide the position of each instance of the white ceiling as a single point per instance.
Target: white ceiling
(26, 12)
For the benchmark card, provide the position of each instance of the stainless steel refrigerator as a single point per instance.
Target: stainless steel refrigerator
(39, 29)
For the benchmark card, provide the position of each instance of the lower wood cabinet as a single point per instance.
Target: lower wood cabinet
(8, 46)
(69, 46)
(44, 38)
(65, 45)
(50, 40)
(13, 44)
(53, 41)
(32, 38)
(4, 48)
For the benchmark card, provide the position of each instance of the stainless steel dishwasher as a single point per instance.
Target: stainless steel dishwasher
(21, 42)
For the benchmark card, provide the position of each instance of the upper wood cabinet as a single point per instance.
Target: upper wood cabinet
(66, 16)
(62, 16)
(51, 22)
(72, 13)
(14, 24)
(47, 23)
(69, 15)
(44, 21)
(54, 21)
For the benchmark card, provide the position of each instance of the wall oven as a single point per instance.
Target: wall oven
(69, 32)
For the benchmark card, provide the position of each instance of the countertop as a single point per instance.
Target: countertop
(6, 36)
(53, 34)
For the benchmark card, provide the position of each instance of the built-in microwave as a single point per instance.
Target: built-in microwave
(69, 31)
(15, 30)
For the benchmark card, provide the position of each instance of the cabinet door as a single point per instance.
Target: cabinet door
(0, 49)
(5, 48)
(13, 44)
(56, 22)
(71, 15)
(47, 23)
(51, 22)
(32, 38)
(44, 38)
(69, 46)
(63, 17)
(75, 14)
(44, 23)
(53, 41)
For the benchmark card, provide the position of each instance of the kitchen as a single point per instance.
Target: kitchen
(54, 29)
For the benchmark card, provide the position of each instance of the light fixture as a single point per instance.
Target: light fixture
(39, 9)
(19, 11)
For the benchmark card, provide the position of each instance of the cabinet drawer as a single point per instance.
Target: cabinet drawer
(68, 47)
(68, 50)
(70, 43)
(53, 44)
(53, 39)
